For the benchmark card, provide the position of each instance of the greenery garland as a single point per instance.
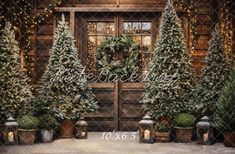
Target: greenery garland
(125, 67)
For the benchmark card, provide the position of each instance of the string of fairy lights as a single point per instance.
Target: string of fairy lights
(225, 22)
(21, 14)
(226, 27)
(187, 6)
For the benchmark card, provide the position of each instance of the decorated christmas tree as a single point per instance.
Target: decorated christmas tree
(170, 79)
(65, 92)
(214, 75)
(15, 93)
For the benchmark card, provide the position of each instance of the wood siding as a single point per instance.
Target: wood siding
(203, 33)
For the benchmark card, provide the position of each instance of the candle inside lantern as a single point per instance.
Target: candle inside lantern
(146, 134)
(145, 72)
(10, 136)
(205, 136)
(83, 133)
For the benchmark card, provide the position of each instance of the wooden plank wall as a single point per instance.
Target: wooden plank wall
(203, 33)
(43, 40)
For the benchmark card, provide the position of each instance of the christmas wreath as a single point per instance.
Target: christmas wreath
(123, 45)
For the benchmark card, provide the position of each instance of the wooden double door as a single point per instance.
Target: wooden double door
(119, 102)
(120, 108)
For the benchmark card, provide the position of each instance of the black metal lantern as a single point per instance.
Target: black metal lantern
(146, 130)
(81, 129)
(204, 132)
(11, 132)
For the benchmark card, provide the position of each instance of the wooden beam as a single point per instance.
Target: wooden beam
(72, 21)
(111, 8)
(102, 85)
(132, 85)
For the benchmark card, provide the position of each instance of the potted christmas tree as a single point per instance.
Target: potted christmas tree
(65, 91)
(171, 78)
(184, 123)
(15, 93)
(224, 118)
(162, 132)
(27, 131)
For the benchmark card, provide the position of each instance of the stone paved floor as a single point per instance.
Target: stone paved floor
(120, 143)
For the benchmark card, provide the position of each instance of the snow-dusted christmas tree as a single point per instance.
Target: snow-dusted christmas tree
(15, 93)
(170, 79)
(214, 75)
(65, 91)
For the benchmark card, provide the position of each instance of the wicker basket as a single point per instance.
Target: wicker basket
(162, 136)
(183, 134)
(27, 137)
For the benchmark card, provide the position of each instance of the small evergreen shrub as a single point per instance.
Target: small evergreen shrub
(28, 122)
(47, 122)
(161, 127)
(184, 120)
(224, 118)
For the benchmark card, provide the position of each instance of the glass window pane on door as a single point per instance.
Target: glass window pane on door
(97, 31)
(141, 33)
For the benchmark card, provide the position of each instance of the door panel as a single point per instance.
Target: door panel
(104, 118)
(130, 107)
